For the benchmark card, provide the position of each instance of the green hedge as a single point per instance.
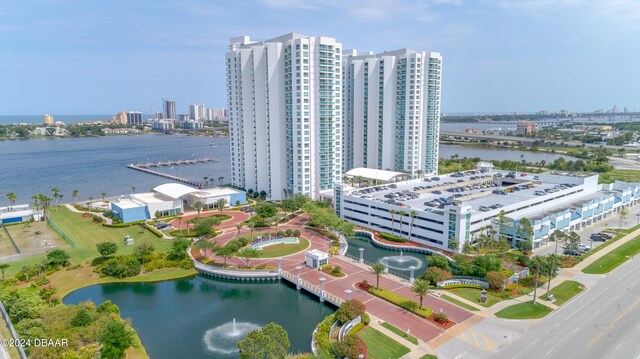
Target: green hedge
(153, 231)
(401, 301)
(453, 286)
(392, 237)
(182, 233)
(122, 225)
(321, 337)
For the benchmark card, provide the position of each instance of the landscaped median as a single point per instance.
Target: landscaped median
(564, 291)
(526, 310)
(613, 259)
(401, 301)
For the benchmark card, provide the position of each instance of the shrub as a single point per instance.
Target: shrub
(153, 231)
(244, 240)
(392, 237)
(288, 232)
(120, 267)
(438, 262)
(364, 285)
(434, 275)
(108, 307)
(366, 319)
(280, 233)
(336, 270)
(523, 260)
(349, 310)
(58, 257)
(42, 281)
(495, 279)
(350, 347)
(296, 233)
(82, 318)
(441, 318)
(321, 336)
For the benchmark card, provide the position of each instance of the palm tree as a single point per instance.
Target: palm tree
(198, 205)
(421, 287)
(90, 200)
(220, 179)
(206, 180)
(623, 216)
(377, 268)
(413, 215)
(133, 189)
(251, 226)
(103, 195)
(238, 227)
(401, 214)
(558, 236)
(552, 262)
(393, 212)
(419, 172)
(537, 260)
(220, 203)
(74, 194)
(3, 267)
(12, 198)
(36, 202)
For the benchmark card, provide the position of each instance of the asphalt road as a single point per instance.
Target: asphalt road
(524, 139)
(603, 322)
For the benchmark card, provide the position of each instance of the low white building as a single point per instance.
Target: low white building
(210, 196)
(316, 259)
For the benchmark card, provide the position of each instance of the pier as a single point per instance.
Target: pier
(164, 175)
(174, 163)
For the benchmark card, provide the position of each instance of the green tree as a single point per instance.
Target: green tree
(421, 288)
(393, 212)
(573, 240)
(82, 318)
(413, 215)
(558, 237)
(248, 253)
(524, 229)
(178, 248)
(133, 189)
(537, 261)
(3, 267)
(377, 268)
(623, 218)
(198, 206)
(74, 194)
(106, 249)
(438, 261)
(401, 214)
(204, 245)
(144, 250)
(495, 279)
(266, 210)
(115, 338)
(12, 198)
(103, 195)
(502, 246)
(454, 244)
(270, 342)
(467, 247)
(220, 203)
(58, 257)
(226, 251)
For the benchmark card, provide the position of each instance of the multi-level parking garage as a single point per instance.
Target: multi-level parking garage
(461, 205)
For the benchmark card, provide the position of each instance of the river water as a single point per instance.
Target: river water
(188, 318)
(93, 165)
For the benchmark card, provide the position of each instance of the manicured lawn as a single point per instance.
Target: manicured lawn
(613, 259)
(429, 356)
(281, 250)
(473, 295)
(401, 333)
(66, 281)
(380, 346)
(526, 310)
(459, 303)
(86, 234)
(565, 291)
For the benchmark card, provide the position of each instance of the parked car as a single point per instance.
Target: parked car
(571, 252)
(583, 247)
(598, 238)
(605, 235)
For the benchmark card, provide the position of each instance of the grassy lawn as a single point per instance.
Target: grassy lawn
(525, 310)
(66, 281)
(400, 332)
(429, 356)
(473, 295)
(380, 346)
(459, 303)
(622, 175)
(601, 247)
(613, 259)
(565, 291)
(87, 234)
(281, 250)
(6, 247)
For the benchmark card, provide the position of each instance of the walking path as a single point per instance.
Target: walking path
(99, 214)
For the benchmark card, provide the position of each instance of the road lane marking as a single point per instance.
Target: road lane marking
(557, 325)
(612, 323)
(598, 312)
(575, 330)
(549, 352)
(619, 345)
(535, 341)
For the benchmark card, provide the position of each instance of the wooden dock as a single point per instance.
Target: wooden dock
(175, 163)
(167, 176)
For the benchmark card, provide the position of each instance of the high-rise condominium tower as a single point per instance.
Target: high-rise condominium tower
(284, 98)
(197, 112)
(169, 110)
(392, 110)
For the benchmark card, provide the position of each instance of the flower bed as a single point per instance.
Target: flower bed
(444, 324)
(401, 301)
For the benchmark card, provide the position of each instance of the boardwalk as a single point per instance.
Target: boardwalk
(164, 175)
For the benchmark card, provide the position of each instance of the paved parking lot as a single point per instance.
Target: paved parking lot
(609, 223)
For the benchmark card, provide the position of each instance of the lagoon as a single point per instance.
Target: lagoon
(173, 318)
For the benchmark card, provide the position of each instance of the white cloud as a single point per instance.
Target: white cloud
(624, 10)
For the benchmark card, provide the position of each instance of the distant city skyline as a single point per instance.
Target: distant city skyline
(66, 57)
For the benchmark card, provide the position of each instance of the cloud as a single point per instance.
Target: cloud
(293, 4)
(622, 10)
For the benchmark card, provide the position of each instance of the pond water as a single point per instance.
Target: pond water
(396, 261)
(499, 154)
(199, 317)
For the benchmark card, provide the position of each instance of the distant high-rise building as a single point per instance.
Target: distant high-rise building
(184, 117)
(169, 110)
(159, 115)
(284, 98)
(47, 120)
(197, 112)
(134, 118)
(391, 110)
(218, 114)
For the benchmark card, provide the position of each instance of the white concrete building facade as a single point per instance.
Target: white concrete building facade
(391, 110)
(285, 107)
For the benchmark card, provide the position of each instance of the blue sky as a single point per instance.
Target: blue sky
(101, 57)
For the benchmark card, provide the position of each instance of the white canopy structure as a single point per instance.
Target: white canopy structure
(174, 190)
(376, 174)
